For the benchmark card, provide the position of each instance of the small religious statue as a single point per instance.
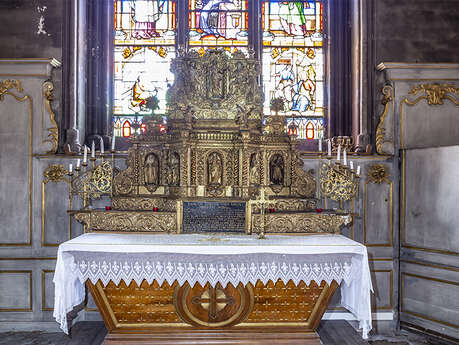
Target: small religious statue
(254, 176)
(173, 169)
(151, 169)
(276, 170)
(214, 168)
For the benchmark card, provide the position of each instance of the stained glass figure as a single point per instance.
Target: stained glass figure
(218, 23)
(144, 22)
(293, 61)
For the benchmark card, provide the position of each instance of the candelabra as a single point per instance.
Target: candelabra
(95, 180)
(338, 181)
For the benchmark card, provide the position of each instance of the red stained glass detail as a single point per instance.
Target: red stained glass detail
(126, 129)
(310, 131)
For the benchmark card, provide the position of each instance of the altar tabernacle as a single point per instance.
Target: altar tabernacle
(187, 247)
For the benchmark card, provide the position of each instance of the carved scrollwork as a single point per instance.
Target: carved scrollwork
(128, 221)
(300, 223)
(7, 85)
(53, 131)
(435, 93)
(142, 203)
(384, 144)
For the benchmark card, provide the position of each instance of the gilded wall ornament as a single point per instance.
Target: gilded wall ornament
(8, 84)
(54, 173)
(384, 144)
(53, 132)
(435, 93)
(377, 173)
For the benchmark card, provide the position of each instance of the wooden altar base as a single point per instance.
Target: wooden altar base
(222, 337)
(271, 314)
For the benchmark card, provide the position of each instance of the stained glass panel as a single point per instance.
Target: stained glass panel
(297, 76)
(144, 22)
(293, 61)
(307, 128)
(292, 23)
(144, 48)
(218, 23)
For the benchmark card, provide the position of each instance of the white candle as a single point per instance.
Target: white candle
(85, 155)
(338, 155)
(78, 163)
(329, 147)
(101, 146)
(344, 157)
(93, 150)
(113, 140)
(358, 170)
(351, 163)
(320, 144)
(70, 168)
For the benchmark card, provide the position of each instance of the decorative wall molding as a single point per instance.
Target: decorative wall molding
(385, 130)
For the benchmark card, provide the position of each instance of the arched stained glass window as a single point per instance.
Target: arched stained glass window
(289, 37)
(144, 46)
(310, 130)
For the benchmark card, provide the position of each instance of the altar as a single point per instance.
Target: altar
(214, 232)
(223, 283)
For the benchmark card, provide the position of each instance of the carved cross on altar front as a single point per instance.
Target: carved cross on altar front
(213, 300)
(262, 201)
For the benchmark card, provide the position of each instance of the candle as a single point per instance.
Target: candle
(351, 163)
(113, 140)
(70, 168)
(344, 157)
(320, 144)
(85, 155)
(101, 146)
(93, 150)
(358, 170)
(338, 155)
(329, 147)
(78, 163)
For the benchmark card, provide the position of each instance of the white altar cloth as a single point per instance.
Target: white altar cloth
(212, 258)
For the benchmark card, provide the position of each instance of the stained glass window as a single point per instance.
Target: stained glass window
(293, 61)
(144, 47)
(218, 23)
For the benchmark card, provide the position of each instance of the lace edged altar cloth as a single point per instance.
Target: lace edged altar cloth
(196, 258)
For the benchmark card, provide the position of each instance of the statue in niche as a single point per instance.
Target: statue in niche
(173, 169)
(214, 168)
(216, 84)
(276, 170)
(151, 169)
(254, 176)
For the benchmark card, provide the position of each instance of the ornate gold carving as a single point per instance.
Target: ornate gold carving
(303, 182)
(215, 86)
(338, 182)
(289, 205)
(53, 132)
(303, 222)
(435, 93)
(6, 85)
(54, 173)
(142, 203)
(377, 173)
(128, 221)
(381, 141)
